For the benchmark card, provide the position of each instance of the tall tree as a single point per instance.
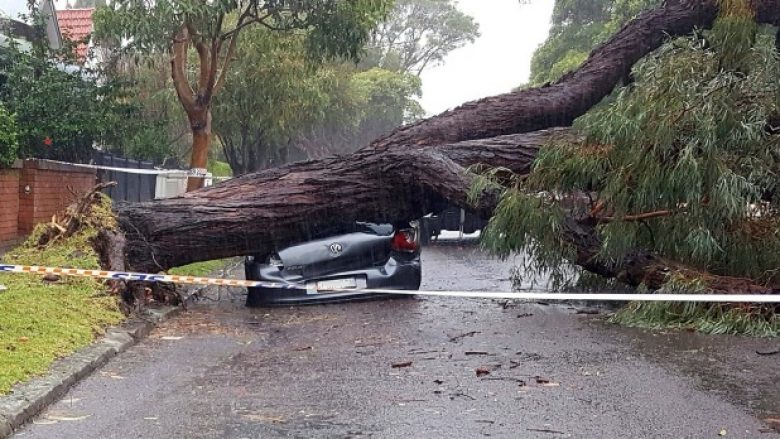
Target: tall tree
(418, 34)
(334, 28)
(276, 106)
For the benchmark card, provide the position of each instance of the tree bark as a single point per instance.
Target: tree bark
(255, 213)
(200, 124)
(575, 93)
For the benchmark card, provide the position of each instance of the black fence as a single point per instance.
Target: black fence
(130, 186)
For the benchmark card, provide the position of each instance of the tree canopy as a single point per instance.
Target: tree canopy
(278, 106)
(681, 163)
(332, 29)
(418, 34)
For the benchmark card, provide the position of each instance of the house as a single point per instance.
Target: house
(76, 25)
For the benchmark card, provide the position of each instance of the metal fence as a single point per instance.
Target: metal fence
(130, 186)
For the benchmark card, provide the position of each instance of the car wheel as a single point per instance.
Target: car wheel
(254, 298)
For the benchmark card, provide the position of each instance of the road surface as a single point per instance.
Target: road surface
(438, 367)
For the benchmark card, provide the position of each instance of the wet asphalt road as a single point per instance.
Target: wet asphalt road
(223, 371)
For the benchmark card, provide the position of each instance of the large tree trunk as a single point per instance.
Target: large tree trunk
(257, 212)
(575, 93)
(406, 174)
(200, 123)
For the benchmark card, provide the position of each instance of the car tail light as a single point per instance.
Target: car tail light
(405, 240)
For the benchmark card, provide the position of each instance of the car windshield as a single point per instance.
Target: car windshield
(378, 229)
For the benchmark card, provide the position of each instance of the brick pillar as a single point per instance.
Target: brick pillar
(26, 195)
(9, 206)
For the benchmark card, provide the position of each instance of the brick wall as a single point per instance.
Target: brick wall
(47, 188)
(36, 191)
(9, 206)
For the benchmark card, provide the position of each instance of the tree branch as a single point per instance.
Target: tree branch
(233, 36)
(576, 92)
(296, 199)
(642, 267)
(635, 217)
(225, 64)
(216, 45)
(204, 68)
(178, 70)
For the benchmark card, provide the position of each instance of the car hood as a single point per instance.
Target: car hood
(337, 253)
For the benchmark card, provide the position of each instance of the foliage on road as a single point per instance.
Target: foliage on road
(747, 319)
(41, 321)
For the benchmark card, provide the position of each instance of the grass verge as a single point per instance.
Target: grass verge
(200, 269)
(41, 322)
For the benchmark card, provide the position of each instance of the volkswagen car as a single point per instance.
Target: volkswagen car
(336, 268)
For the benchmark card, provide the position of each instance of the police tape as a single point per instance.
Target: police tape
(131, 276)
(522, 295)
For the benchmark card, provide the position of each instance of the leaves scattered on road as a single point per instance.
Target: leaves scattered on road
(546, 382)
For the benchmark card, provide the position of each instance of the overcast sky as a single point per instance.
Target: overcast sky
(12, 8)
(497, 62)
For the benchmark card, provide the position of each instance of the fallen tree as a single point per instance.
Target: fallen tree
(411, 171)
(256, 213)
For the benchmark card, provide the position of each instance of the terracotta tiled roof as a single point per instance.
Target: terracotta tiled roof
(76, 24)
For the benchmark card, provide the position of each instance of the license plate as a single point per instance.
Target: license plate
(336, 284)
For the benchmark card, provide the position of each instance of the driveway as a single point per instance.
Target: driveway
(422, 367)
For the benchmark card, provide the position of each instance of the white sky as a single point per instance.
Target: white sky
(497, 62)
(12, 8)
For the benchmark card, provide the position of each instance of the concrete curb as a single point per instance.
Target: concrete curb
(28, 399)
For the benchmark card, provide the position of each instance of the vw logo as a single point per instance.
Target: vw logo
(336, 249)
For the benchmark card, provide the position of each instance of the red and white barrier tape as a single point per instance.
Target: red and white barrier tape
(545, 296)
